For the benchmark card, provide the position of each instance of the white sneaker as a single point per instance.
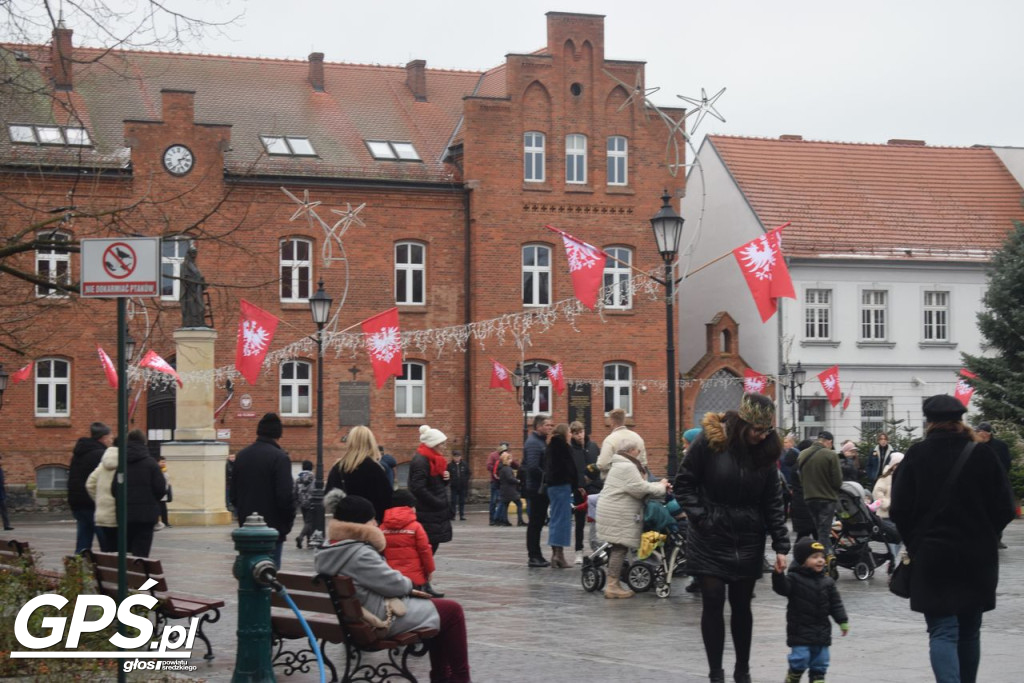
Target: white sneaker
(579, 557)
(158, 526)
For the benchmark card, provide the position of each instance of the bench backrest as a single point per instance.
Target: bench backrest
(309, 592)
(335, 595)
(138, 570)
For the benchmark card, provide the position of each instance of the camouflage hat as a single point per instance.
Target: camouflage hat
(757, 410)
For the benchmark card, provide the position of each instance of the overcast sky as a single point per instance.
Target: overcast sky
(945, 71)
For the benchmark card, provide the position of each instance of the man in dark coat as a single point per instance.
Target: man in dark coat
(984, 435)
(458, 485)
(262, 481)
(84, 459)
(955, 560)
(821, 478)
(536, 500)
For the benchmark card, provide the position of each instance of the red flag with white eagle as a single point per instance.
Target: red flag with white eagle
(153, 361)
(256, 329)
(557, 378)
(108, 367)
(964, 390)
(754, 382)
(586, 265)
(22, 375)
(384, 344)
(765, 271)
(830, 382)
(501, 378)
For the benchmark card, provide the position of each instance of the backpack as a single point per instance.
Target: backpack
(304, 490)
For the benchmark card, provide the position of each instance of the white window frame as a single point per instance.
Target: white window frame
(541, 404)
(296, 266)
(621, 387)
(53, 258)
(874, 314)
(818, 313)
(293, 386)
(868, 409)
(32, 134)
(618, 293)
(413, 272)
(576, 159)
(174, 262)
(408, 387)
(618, 160)
(391, 150)
(538, 274)
(53, 480)
(534, 160)
(935, 316)
(50, 385)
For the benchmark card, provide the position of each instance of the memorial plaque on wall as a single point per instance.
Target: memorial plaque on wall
(353, 404)
(579, 404)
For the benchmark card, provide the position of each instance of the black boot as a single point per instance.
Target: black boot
(741, 676)
(717, 676)
(429, 590)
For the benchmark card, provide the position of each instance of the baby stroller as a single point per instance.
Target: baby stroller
(663, 556)
(855, 529)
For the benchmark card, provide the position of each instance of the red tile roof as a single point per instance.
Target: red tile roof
(905, 201)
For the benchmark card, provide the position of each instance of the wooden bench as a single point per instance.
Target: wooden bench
(16, 558)
(334, 614)
(172, 605)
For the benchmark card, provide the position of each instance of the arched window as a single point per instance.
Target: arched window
(411, 390)
(296, 385)
(618, 387)
(617, 290)
(536, 275)
(410, 271)
(53, 263)
(576, 159)
(53, 388)
(296, 269)
(533, 157)
(618, 151)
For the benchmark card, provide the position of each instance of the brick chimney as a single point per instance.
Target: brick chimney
(416, 78)
(60, 57)
(316, 71)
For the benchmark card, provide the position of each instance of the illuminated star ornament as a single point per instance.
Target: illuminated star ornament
(704, 106)
(332, 233)
(637, 91)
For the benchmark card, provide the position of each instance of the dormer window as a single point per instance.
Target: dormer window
(288, 146)
(393, 151)
(64, 136)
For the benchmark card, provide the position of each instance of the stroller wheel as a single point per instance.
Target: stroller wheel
(593, 579)
(862, 571)
(640, 578)
(663, 590)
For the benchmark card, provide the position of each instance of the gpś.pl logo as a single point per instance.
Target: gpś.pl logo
(175, 642)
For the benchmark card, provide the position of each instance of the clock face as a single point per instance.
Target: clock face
(178, 159)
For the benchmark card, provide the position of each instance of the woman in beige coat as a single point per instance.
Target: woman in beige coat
(620, 509)
(883, 487)
(98, 485)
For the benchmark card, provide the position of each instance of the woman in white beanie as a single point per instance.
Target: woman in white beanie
(428, 481)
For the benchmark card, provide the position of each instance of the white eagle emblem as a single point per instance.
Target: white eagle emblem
(580, 254)
(385, 344)
(829, 383)
(759, 258)
(753, 384)
(500, 371)
(254, 338)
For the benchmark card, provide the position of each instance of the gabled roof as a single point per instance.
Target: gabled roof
(255, 96)
(900, 200)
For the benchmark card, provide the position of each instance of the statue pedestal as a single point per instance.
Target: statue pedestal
(196, 471)
(195, 459)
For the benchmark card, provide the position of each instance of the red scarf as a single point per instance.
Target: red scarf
(438, 463)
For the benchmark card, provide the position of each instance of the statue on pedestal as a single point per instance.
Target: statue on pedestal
(193, 290)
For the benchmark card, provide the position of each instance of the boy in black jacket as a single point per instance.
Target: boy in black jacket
(813, 597)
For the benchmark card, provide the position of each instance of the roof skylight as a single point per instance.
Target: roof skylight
(288, 145)
(49, 135)
(394, 151)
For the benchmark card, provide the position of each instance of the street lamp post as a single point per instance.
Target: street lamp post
(668, 232)
(320, 309)
(527, 381)
(793, 382)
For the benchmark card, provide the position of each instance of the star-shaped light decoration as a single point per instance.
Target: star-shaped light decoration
(332, 233)
(636, 91)
(704, 106)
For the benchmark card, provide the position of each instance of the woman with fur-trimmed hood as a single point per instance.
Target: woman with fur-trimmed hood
(728, 484)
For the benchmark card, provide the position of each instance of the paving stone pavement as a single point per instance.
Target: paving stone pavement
(539, 624)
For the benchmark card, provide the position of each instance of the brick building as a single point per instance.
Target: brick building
(451, 176)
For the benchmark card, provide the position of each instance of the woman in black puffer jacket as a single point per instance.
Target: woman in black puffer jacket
(146, 486)
(728, 485)
(428, 481)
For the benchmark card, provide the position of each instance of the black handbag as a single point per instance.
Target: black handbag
(902, 576)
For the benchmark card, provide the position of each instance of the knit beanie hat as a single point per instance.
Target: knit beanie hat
(432, 437)
(403, 498)
(354, 509)
(691, 434)
(757, 410)
(806, 547)
(270, 426)
(502, 447)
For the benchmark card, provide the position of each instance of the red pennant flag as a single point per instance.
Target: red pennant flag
(765, 271)
(830, 382)
(501, 378)
(22, 375)
(108, 367)
(557, 378)
(256, 329)
(586, 265)
(384, 343)
(154, 362)
(964, 391)
(754, 382)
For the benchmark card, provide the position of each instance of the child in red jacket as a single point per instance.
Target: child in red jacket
(408, 548)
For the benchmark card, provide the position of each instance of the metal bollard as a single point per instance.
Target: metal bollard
(254, 543)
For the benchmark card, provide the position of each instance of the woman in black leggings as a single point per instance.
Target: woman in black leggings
(728, 484)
